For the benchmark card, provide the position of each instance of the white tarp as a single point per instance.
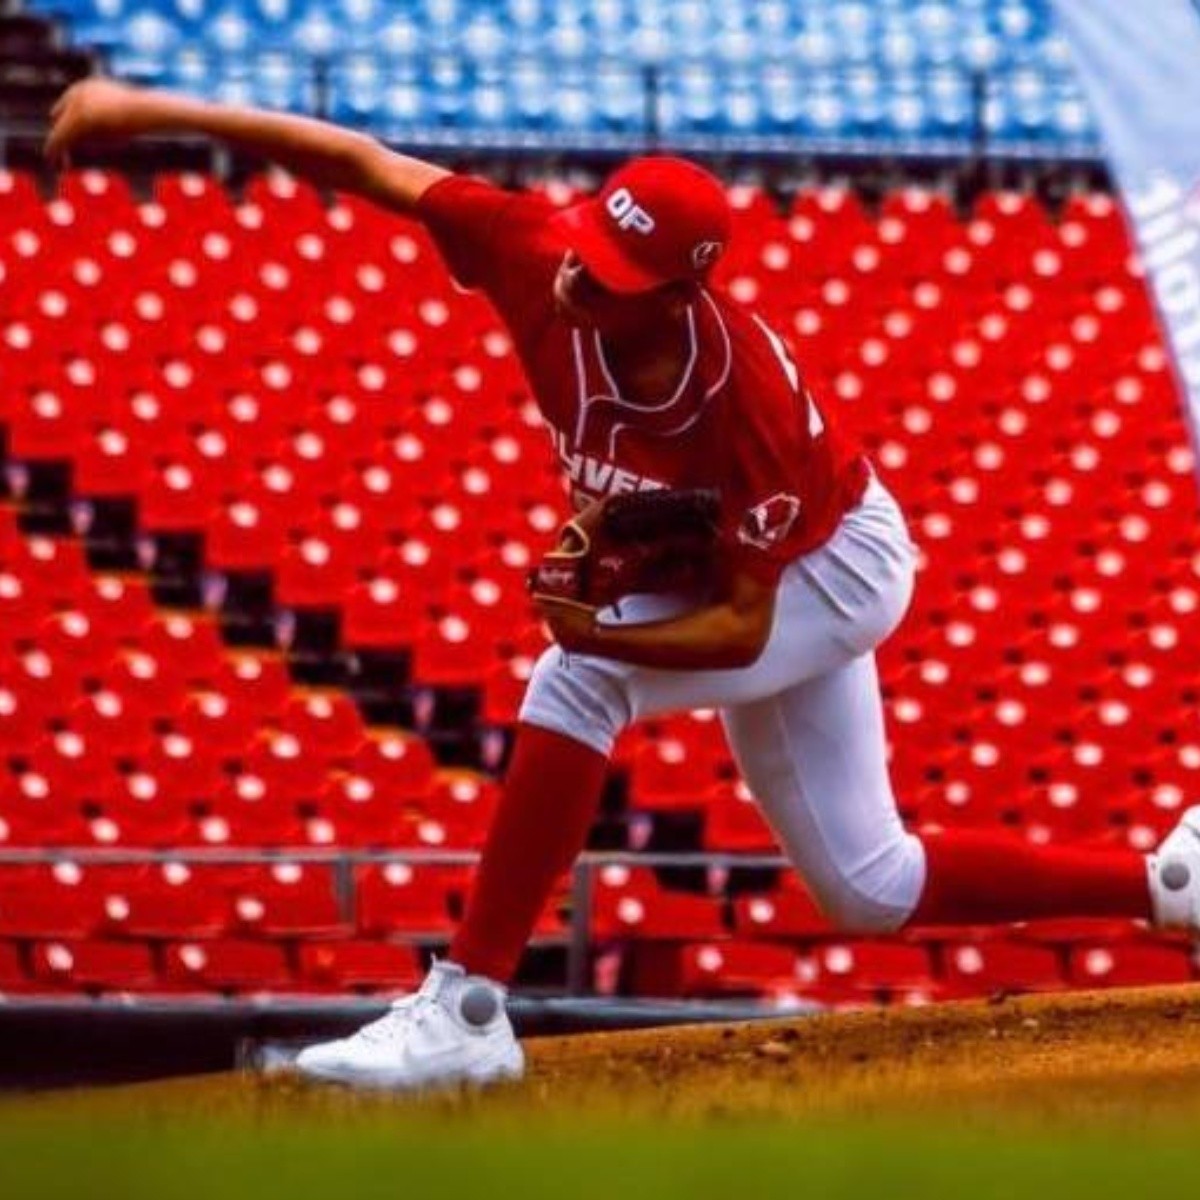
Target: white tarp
(1139, 64)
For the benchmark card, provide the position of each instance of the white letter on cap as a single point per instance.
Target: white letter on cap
(628, 214)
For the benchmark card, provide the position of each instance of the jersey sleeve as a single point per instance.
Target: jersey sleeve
(764, 512)
(786, 484)
(482, 231)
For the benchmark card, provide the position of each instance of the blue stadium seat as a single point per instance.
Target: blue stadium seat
(282, 81)
(855, 26)
(907, 117)
(229, 32)
(358, 86)
(1071, 120)
(568, 41)
(400, 38)
(826, 114)
(575, 108)
(447, 82)
(530, 83)
(783, 99)
(949, 103)
(863, 102)
(816, 47)
(319, 34)
(619, 99)
(484, 39)
(891, 72)
(273, 18)
(151, 41)
(190, 69)
(405, 107)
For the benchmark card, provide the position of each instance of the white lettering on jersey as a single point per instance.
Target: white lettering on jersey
(628, 213)
(816, 426)
(767, 524)
(595, 477)
(597, 474)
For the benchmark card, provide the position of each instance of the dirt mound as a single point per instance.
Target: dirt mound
(1040, 1055)
(1127, 1054)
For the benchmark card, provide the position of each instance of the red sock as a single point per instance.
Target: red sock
(976, 877)
(551, 794)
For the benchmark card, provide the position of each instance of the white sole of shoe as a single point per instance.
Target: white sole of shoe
(506, 1068)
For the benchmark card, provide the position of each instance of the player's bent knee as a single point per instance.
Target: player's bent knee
(851, 912)
(579, 696)
(879, 897)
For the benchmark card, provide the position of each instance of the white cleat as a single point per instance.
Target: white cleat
(454, 1030)
(1175, 875)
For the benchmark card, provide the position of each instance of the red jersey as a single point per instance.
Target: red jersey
(739, 419)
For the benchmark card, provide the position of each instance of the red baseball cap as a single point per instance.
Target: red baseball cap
(656, 220)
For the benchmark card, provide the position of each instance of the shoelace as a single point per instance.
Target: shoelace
(415, 1008)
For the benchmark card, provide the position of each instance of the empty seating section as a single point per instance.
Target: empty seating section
(826, 71)
(302, 388)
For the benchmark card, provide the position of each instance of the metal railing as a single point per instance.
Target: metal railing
(343, 865)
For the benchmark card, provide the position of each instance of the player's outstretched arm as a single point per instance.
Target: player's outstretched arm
(101, 110)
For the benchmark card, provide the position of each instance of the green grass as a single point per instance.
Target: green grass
(406, 1153)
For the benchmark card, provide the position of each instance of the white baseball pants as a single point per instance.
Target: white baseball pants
(805, 721)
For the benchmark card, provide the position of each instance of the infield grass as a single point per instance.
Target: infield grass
(402, 1153)
(1062, 1097)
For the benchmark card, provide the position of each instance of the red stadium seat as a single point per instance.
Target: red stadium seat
(148, 809)
(733, 820)
(381, 611)
(13, 977)
(191, 642)
(315, 572)
(786, 912)
(244, 534)
(670, 772)
(168, 901)
(33, 813)
(462, 802)
(735, 968)
(504, 688)
(289, 764)
(226, 965)
(449, 652)
(359, 966)
(360, 812)
(93, 966)
(252, 809)
(992, 966)
(629, 903)
(214, 717)
(398, 762)
(1130, 964)
(255, 680)
(60, 901)
(867, 966)
(400, 897)
(377, 455)
(194, 765)
(326, 718)
(289, 899)
(22, 720)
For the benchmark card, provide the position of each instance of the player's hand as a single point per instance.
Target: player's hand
(573, 626)
(90, 110)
